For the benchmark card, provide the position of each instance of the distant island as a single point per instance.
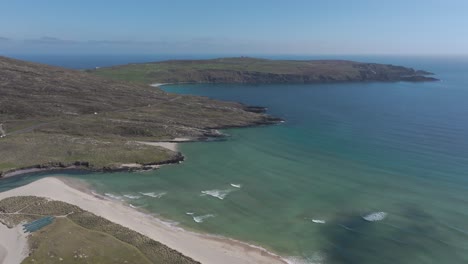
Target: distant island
(258, 71)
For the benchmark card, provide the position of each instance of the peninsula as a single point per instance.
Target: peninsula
(257, 71)
(51, 117)
(58, 118)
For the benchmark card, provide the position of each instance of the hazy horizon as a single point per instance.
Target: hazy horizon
(238, 28)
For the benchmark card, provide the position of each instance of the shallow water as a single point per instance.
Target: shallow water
(359, 173)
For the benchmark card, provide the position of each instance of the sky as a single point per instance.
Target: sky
(241, 27)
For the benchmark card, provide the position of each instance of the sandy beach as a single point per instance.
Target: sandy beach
(171, 145)
(13, 245)
(168, 145)
(158, 84)
(201, 247)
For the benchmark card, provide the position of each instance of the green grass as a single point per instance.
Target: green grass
(108, 139)
(57, 116)
(80, 232)
(184, 71)
(251, 70)
(30, 149)
(66, 242)
(7, 166)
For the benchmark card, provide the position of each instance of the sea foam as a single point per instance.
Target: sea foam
(131, 196)
(154, 194)
(314, 259)
(220, 194)
(113, 196)
(200, 219)
(377, 216)
(319, 221)
(235, 185)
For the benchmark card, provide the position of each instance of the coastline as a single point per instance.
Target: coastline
(170, 144)
(158, 84)
(211, 135)
(14, 246)
(201, 247)
(85, 166)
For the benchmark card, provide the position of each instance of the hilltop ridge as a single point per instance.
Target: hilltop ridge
(256, 71)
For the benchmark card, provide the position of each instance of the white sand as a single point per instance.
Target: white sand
(182, 139)
(204, 248)
(131, 165)
(169, 145)
(158, 84)
(13, 245)
(3, 253)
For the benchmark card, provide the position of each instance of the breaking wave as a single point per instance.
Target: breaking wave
(200, 219)
(377, 216)
(131, 196)
(314, 259)
(220, 194)
(113, 196)
(319, 221)
(154, 194)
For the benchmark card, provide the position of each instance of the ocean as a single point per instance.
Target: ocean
(358, 173)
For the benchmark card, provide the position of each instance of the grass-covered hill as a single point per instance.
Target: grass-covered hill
(55, 117)
(252, 70)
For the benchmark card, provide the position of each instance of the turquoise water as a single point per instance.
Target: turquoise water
(396, 153)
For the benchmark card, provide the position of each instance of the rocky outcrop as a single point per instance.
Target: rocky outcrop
(2, 131)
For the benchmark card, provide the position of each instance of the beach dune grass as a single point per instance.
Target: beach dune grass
(66, 242)
(75, 232)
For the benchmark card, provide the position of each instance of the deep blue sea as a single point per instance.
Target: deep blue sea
(358, 173)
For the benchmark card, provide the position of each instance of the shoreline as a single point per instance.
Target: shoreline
(213, 135)
(205, 248)
(172, 144)
(158, 84)
(14, 246)
(85, 166)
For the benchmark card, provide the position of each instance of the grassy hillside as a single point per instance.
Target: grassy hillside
(251, 70)
(54, 244)
(54, 117)
(78, 236)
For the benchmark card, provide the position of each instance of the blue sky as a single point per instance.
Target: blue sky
(235, 27)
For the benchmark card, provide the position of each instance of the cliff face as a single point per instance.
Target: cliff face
(248, 70)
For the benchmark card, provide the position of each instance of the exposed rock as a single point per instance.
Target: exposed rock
(2, 131)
